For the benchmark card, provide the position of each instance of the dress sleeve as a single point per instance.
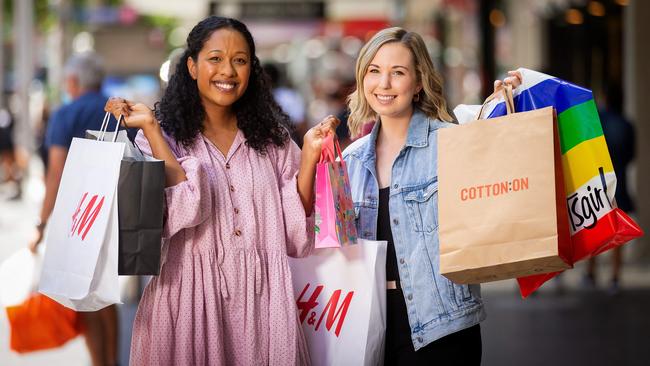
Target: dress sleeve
(299, 228)
(188, 203)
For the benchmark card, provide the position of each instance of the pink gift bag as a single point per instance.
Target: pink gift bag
(334, 210)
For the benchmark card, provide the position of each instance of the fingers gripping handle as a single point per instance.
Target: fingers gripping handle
(506, 91)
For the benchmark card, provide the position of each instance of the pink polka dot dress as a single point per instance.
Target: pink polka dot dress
(224, 295)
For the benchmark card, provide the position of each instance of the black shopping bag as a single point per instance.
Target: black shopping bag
(140, 209)
(140, 195)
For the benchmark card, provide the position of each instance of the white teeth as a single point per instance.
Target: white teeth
(225, 86)
(385, 97)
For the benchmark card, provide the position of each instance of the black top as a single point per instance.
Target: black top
(460, 348)
(384, 233)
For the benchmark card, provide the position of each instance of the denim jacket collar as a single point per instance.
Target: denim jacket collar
(417, 135)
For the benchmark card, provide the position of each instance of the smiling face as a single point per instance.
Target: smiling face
(222, 68)
(390, 82)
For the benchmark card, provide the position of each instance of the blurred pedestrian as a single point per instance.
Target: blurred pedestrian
(289, 100)
(41, 132)
(342, 132)
(9, 167)
(620, 138)
(83, 75)
(237, 205)
(393, 176)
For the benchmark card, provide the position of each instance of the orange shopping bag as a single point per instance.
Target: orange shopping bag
(41, 323)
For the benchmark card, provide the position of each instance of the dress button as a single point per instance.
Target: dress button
(420, 339)
(395, 186)
(236, 210)
(232, 188)
(401, 260)
(237, 232)
(227, 165)
(410, 297)
(396, 221)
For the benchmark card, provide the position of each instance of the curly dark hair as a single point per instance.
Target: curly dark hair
(181, 113)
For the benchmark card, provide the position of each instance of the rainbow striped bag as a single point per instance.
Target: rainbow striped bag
(596, 223)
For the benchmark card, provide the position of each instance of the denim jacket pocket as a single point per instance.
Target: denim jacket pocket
(421, 204)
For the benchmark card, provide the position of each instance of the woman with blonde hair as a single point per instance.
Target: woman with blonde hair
(394, 181)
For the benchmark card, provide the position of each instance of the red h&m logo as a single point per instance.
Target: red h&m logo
(331, 310)
(83, 221)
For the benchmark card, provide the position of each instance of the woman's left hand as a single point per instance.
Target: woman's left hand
(313, 140)
(514, 79)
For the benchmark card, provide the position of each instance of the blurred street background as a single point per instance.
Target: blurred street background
(309, 48)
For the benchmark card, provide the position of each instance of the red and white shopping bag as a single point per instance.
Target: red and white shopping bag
(341, 299)
(80, 264)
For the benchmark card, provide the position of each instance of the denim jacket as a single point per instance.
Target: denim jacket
(436, 306)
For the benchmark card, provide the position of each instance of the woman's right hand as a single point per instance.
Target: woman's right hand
(313, 140)
(514, 79)
(138, 115)
(135, 115)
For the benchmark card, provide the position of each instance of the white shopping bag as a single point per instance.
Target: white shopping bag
(341, 298)
(19, 276)
(466, 113)
(80, 264)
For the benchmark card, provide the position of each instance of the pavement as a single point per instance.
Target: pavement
(577, 327)
(564, 323)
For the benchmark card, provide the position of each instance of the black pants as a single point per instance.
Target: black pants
(460, 348)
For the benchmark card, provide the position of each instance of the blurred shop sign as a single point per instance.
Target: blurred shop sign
(124, 15)
(294, 10)
(363, 28)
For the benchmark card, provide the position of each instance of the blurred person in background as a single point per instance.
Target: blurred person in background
(342, 131)
(83, 76)
(239, 201)
(8, 165)
(620, 137)
(41, 132)
(430, 320)
(289, 100)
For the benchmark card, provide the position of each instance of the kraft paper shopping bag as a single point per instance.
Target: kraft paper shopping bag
(502, 212)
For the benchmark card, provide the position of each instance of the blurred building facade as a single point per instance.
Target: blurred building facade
(592, 43)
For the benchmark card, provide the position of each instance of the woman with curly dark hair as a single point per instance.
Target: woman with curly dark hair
(238, 202)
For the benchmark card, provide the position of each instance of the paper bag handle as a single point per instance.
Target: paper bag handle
(103, 129)
(506, 91)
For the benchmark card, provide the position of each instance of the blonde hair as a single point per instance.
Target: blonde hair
(431, 101)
